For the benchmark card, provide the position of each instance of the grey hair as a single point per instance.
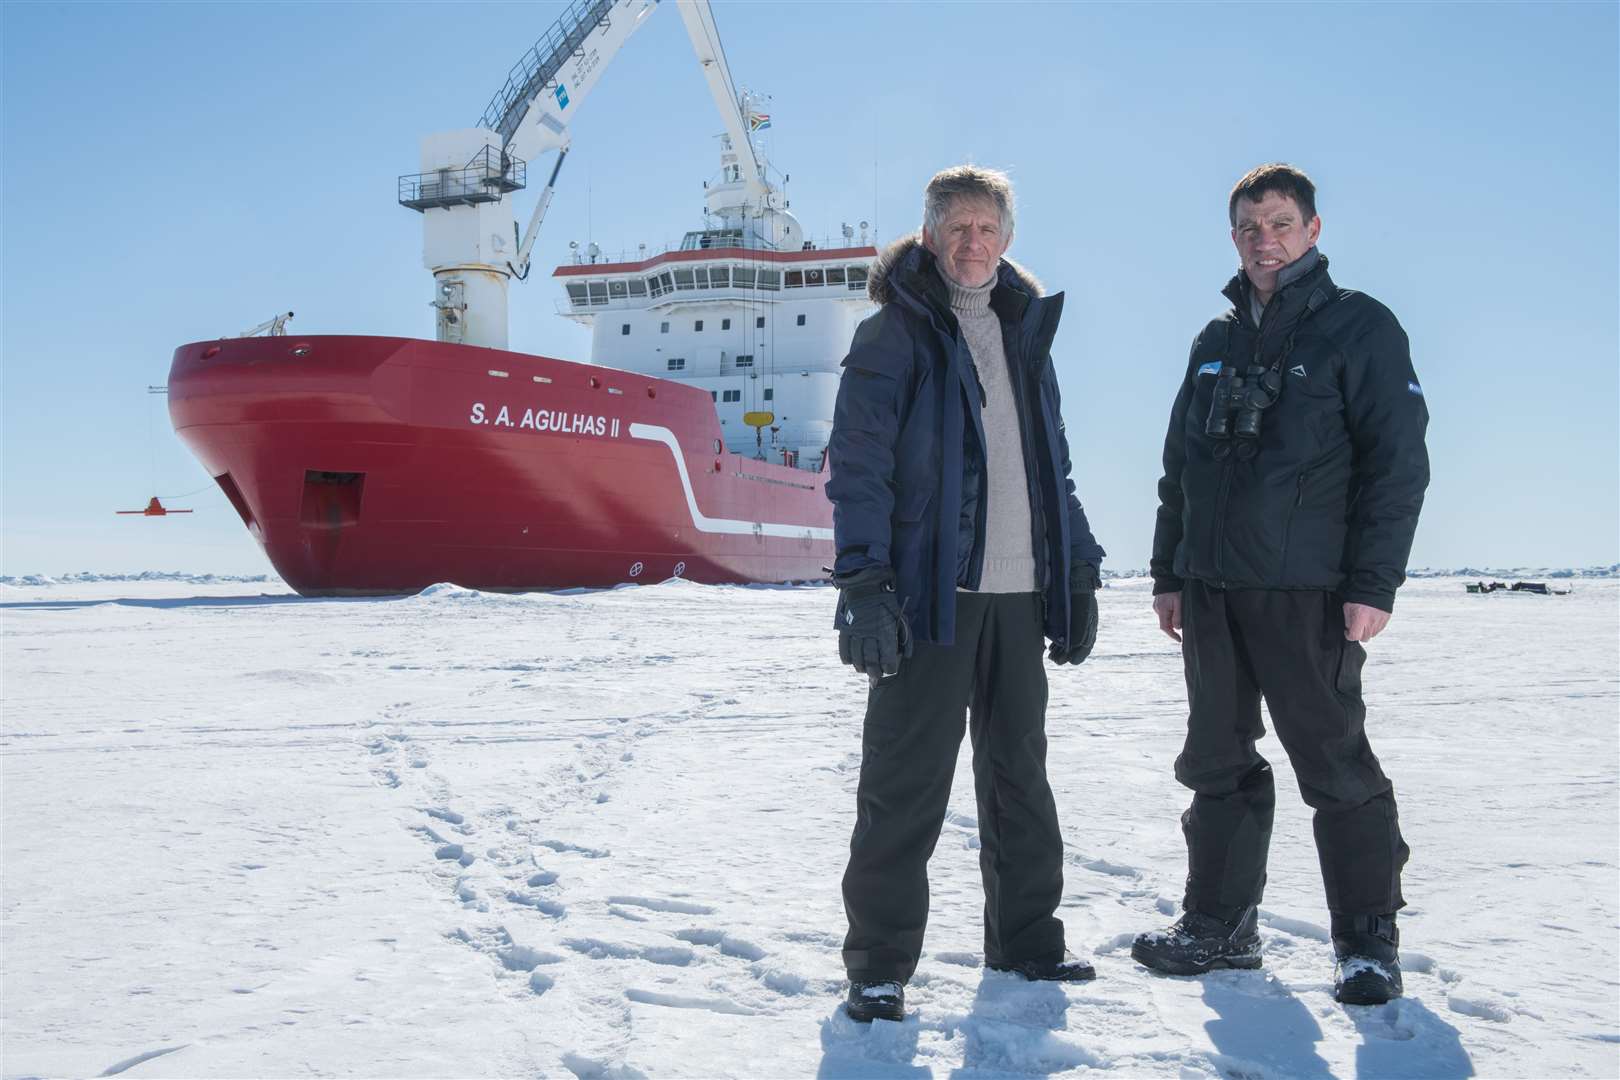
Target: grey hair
(967, 182)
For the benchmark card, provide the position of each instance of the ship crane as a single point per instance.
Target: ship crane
(472, 244)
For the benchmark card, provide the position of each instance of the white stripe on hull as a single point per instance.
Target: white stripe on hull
(704, 523)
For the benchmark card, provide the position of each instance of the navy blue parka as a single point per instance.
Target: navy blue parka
(907, 447)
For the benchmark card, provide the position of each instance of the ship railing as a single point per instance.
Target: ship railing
(538, 67)
(490, 174)
(593, 300)
(643, 253)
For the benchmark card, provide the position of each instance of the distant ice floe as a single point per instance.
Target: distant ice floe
(83, 576)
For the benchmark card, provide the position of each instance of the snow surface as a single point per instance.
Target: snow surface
(601, 834)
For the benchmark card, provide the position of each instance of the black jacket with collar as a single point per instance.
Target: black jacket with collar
(1330, 497)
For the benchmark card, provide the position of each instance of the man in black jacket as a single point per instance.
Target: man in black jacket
(1294, 470)
(961, 548)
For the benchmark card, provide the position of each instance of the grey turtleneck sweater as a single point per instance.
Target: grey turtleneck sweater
(1009, 559)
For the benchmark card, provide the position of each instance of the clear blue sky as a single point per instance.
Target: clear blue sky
(174, 172)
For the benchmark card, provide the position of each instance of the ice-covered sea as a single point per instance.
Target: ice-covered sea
(600, 834)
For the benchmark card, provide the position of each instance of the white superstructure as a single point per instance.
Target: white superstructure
(762, 331)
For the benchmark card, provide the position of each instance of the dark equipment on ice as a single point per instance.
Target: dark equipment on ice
(1539, 588)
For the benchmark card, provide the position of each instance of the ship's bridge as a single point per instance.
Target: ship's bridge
(711, 262)
(762, 331)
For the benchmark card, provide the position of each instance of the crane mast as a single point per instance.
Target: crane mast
(470, 242)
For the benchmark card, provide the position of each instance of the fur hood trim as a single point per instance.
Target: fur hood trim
(880, 289)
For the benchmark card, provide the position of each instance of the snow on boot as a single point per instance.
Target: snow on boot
(1060, 967)
(1198, 943)
(1367, 959)
(870, 1001)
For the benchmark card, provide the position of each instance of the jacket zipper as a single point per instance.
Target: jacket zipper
(1288, 526)
(980, 509)
(1224, 491)
(1026, 409)
(1221, 493)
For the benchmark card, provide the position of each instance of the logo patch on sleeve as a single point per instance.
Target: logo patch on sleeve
(1297, 369)
(1211, 368)
(1414, 388)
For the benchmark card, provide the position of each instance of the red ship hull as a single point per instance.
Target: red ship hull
(372, 465)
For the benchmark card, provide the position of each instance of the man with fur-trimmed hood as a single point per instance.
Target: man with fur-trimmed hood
(961, 549)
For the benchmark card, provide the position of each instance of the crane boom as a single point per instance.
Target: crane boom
(699, 19)
(469, 241)
(546, 87)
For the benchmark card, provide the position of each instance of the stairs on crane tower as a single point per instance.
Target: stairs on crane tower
(539, 66)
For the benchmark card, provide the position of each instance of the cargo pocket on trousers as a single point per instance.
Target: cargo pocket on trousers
(885, 719)
(1347, 680)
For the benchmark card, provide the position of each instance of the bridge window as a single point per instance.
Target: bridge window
(857, 277)
(677, 363)
(617, 289)
(793, 280)
(701, 274)
(743, 276)
(638, 287)
(770, 279)
(656, 286)
(719, 276)
(835, 275)
(577, 295)
(683, 279)
(812, 277)
(598, 292)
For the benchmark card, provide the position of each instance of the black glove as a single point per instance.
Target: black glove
(1082, 618)
(872, 633)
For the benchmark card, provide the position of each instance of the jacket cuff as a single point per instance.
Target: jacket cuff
(1167, 584)
(1084, 577)
(866, 576)
(1383, 601)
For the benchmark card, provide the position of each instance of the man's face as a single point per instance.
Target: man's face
(1269, 235)
(970, 242)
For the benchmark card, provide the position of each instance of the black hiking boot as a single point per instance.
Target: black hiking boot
(1198, 943)
(868, 1001)
(1367, 959)
(1059, 967)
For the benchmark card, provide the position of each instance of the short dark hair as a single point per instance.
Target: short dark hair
(1283, 179)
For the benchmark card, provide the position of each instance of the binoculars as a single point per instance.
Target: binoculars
(1239, 403)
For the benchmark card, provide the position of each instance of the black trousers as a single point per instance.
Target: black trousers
(1290, 647)
(913, 729)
